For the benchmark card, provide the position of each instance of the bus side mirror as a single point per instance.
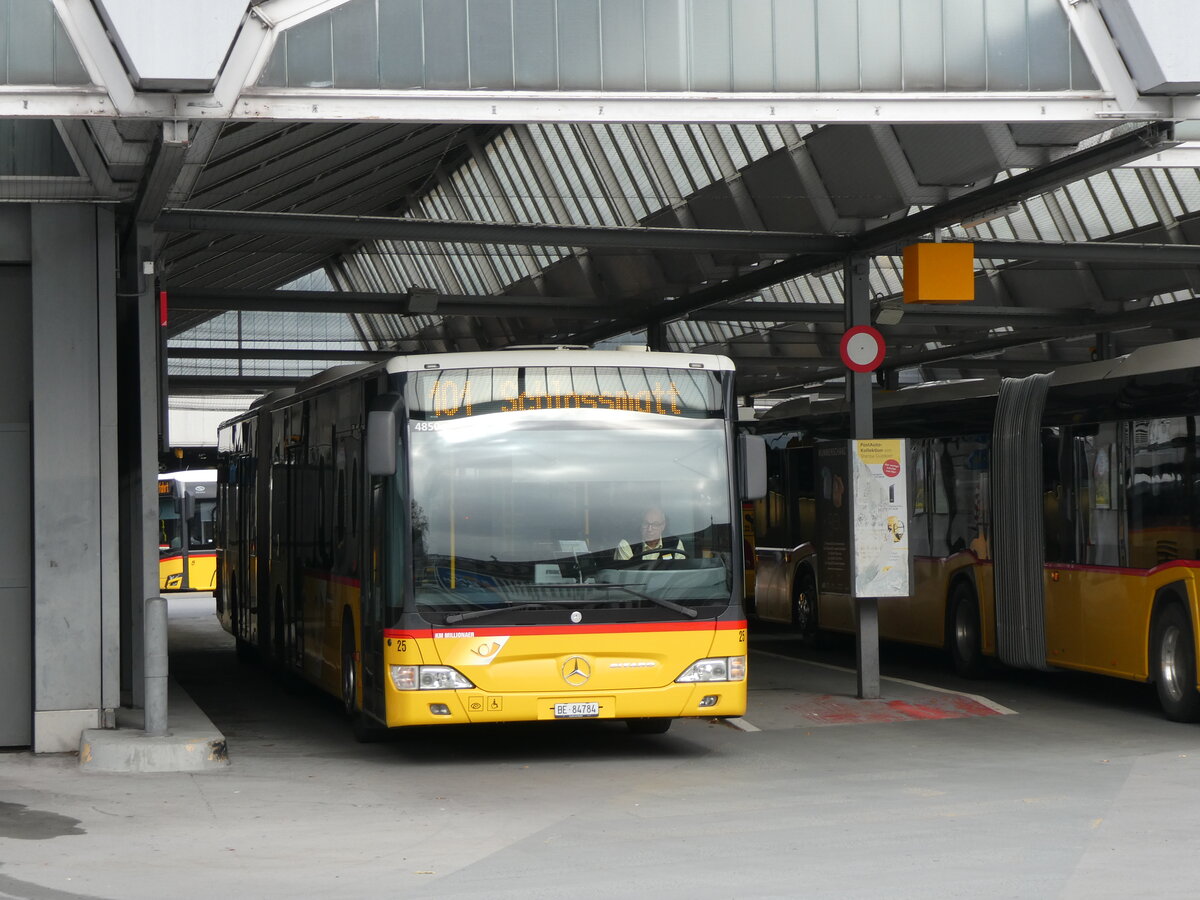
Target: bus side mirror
(752, 466)
(382, 435)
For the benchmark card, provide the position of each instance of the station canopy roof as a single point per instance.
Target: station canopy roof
(373, 177)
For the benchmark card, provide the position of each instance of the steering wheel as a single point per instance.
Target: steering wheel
(661, 553)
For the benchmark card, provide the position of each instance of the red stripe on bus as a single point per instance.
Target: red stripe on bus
(1082, 567)
(1119, 570)
(317, 575)
(632, 628)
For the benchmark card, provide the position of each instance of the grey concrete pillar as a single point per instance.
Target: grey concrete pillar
(74, 523)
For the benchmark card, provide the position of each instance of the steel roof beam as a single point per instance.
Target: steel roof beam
(249, 353)
(1091, 251)
(410, 303)
(230, 384)
(1163, 315)
(942, 314)
(779, 243)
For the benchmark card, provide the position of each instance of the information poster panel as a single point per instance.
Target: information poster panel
(833, 512)
(879, 479)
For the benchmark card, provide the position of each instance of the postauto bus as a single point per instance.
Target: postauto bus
(435, 539)
(187, 551)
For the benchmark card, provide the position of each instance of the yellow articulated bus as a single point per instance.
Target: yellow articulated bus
(532, 534)
(1055, 520)
(187, 550)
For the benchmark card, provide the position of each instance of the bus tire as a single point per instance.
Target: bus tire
(648, 726)
(365, 731)
(349, 669)
(804, 604)
(243, 649)
(964, 636)
(1174, 656)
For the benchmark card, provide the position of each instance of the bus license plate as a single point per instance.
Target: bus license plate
(576, 710)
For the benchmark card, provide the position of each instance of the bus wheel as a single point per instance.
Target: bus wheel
(242, 648)
(1174, 658)
(365, 731)
(963, 634)
(648, 726)
(804, 604)
(349, 669)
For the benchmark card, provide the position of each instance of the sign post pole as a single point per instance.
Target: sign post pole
(861, 358)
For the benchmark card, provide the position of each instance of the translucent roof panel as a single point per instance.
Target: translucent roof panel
(322, 334)
(34, 47)
(684, 45)
(562, 174)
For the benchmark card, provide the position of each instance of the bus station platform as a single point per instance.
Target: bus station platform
(192, 743)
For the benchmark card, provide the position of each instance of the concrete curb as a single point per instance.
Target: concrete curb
(192, 743)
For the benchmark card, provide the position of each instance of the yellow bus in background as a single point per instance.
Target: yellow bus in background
(454, 538)
(1055, 520)
(187, 549)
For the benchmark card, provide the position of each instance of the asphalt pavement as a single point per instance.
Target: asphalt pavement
(1017, 786)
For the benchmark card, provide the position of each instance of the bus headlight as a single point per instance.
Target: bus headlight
(428, 678)
(717, 668)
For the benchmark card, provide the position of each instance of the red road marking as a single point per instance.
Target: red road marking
(828, 709)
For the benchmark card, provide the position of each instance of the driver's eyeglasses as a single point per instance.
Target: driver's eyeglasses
(654, 524)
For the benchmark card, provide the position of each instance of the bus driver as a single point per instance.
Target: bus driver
(653, 545)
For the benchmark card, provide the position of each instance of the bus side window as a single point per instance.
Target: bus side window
(945, 537)
(1054, 518)
(202, 524)
(804, 491)
(918, 533)
(1099, 507)
(1162, 516)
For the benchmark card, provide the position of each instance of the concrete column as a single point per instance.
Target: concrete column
(139, 416)
(74, 527)
(16, 606)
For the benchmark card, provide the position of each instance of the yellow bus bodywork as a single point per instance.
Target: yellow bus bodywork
(1097, 619)
(202, 573)
(520, 673)
(518, 670)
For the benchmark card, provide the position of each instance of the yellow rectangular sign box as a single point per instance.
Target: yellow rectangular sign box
(939, 273)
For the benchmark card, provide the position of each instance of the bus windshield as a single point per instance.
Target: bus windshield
(568, 515)
(170, 523)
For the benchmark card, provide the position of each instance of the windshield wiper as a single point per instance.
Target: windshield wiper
(650, 598)
(481, 613)
(536, 604)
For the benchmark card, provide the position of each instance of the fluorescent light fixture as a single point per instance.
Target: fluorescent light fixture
(989, 214)
(890, 312)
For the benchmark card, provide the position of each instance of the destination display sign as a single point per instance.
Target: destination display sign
(462, 393)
